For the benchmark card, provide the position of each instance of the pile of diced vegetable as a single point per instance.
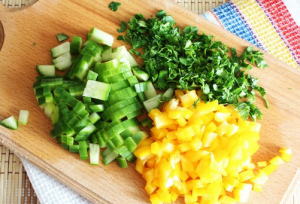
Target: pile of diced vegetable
(94, 104)
(203, 152)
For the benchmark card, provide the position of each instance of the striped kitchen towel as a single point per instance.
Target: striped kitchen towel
(266, 24)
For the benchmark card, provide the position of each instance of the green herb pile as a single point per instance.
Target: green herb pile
(184, 59)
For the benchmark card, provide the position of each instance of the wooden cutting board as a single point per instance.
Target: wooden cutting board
(30, 33)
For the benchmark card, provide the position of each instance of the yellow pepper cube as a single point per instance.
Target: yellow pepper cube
(190, 199)
(203, 166)
(211, 127)
(269, 169)
(196, 143)
(187, 114)
(144, 153)
(246, 175)
(180, 134)
(139, 166)
(188, 99)
(153, 113)
(154, 198)
(230, 183)
(277, 160)
(174, 196)
(149, 175)
(183, 147)
(176, 113)
(262, 164)
(178, 93)
(162, 121)
(208, 138)
(167, 147)
(156, 147)
(241, 195)
(285, 154)
(172, 127)
(186, 164)
(226, 199)
(171, 105)
(184, 176)
(181, 121)
(189, 132)
(257, 187)
(146, 142)
(207, 107)
(150, 188)
(171, 135)
(151, 162)
(221, 117)
(214, 189)
(174, 158)
(195, 156)
(260, 178)
(158, 133)
(232, 129)
(222, 128)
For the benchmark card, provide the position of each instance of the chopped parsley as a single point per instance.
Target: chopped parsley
(182, 58)
(114, 5)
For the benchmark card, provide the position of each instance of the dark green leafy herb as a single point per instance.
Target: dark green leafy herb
(123, 27)
(114, 5)
(182, 58)
(33, 44)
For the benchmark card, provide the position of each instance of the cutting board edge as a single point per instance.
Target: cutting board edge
(53, 172)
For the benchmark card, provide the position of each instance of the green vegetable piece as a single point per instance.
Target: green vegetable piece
(62, 37)
(114, 5)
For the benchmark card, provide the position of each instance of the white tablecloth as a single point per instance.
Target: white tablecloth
(49, 190)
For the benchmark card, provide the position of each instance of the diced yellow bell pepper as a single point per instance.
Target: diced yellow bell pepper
(224, 199)
(162, 121)
(139, 167)
(242, 194)
(176, 113)
(171, 105)
(286, 154)
(208, 138)
(187, 165)
(257, 187)
(150, 188)
(205, 108)
(229, 183)
(214, 189)
(260, 178)
(151, 162)
(202, 153)
(153, 113)
(277, 160)
(178, 93)
(196, 143)
(221, 117)
(183, 147)
(158, 134)
(269, 169)
(246, 175)
(156, 147)
(144, 153)
(181, 121)
(154, 198)
(262, 164)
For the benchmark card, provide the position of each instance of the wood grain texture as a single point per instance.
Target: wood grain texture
(42, 21)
